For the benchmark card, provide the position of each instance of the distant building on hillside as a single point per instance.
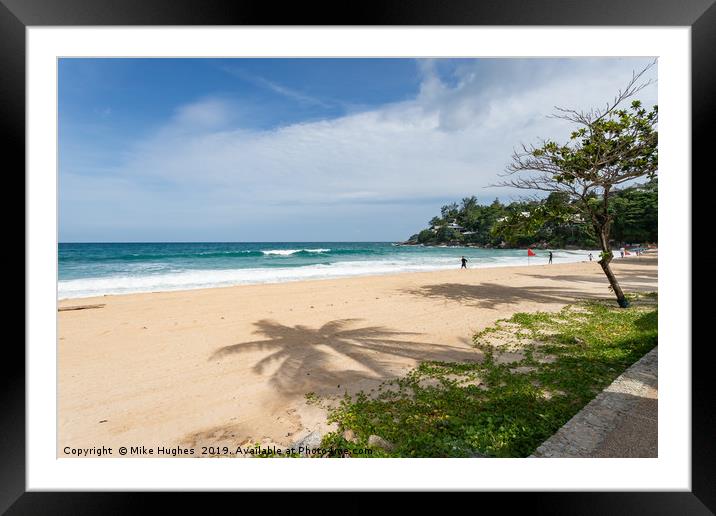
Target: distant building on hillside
(451, 225)
(522, 214)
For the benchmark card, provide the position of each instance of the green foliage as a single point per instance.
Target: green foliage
(556, 220)
(622, 143)
(476, 219)
(425, 236)
(446, 234)
(545, 220)
(609, 150)
(449, 211)
(499, 409)
(604, 255)
(561, 222)
(635, 212)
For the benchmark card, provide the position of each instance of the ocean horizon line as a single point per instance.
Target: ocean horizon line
(240, 242)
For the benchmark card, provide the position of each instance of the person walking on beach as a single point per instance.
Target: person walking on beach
(550, 257)
(590, 257)
(464, 263)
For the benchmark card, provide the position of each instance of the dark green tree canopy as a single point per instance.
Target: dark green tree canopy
(556, 221)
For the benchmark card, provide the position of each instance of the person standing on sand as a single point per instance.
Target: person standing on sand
(550, 257)
(590, 257)
(464, 263)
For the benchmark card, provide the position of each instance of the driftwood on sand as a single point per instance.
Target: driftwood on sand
(79, 307)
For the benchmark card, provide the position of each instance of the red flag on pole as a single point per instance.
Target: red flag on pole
(530, 252)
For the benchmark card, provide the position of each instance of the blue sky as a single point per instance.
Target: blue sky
(300, 149)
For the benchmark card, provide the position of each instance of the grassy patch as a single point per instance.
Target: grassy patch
(538, 371)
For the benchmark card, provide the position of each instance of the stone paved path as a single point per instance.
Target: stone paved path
(620, 422)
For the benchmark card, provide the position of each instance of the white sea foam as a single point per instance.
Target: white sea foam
(288, 252)
(281, 252)
(193, 279)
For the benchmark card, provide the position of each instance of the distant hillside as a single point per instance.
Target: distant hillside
(519, 224)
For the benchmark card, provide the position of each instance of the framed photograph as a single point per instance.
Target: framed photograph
(420, 249)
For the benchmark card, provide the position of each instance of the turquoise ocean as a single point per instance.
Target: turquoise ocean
(95, 269)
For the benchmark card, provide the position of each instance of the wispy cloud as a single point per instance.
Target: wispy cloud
(277, 88)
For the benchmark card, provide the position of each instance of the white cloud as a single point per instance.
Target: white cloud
(450, 141)
(205, 114)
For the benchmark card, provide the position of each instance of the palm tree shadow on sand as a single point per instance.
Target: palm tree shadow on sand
(307, 356)
(494, 295)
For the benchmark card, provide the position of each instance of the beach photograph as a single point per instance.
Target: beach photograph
(312, 258)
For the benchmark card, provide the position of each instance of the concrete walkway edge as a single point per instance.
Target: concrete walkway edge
(620, 422)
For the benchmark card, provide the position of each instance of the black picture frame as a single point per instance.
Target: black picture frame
(700, 15)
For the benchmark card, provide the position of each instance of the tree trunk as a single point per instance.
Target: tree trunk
(621, 298)
(604, 262)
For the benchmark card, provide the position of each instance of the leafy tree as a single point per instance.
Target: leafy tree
(610, 147)
(425, 236)
(446, 234)
(449, 211)
(468, 212)
(635, 212)
(468, 204)
(554, 220)
(526, 221)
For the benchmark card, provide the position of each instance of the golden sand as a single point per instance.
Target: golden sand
(227, 366)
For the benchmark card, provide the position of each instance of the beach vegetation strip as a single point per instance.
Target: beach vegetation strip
(538, 370)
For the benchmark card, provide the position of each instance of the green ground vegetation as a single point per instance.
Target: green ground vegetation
(537, 371)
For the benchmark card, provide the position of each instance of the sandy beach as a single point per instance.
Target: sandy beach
(226, 366)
